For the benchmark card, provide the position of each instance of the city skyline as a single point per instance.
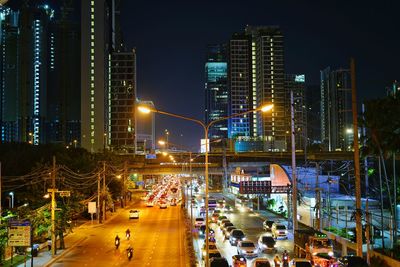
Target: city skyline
(317, 35)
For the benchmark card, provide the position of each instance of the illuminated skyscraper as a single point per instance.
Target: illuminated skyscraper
(35, 62)
(336, 112)
(256, 77)
(9, 37)
(95, 70)
(216, 90)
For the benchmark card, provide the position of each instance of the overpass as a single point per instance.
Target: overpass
(161, 165)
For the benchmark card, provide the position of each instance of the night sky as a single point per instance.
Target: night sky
(171, 37)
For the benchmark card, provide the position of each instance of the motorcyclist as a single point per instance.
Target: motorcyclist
(117, 241)
(128, 233)
(277, 261)
(129, 252)
(285, 259)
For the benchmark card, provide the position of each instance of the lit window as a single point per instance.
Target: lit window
(92, 99)
(92, 64)
(92, 71)
(92, 16)
(92, 23)
(92, 51)
(92, 44)
(92, 120)
(92, 106)
(91, 57)
(92, 9)
(91, 113)
(92, 127)
(92, 3)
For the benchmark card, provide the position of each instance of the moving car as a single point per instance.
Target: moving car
(202, 231)
(352, 261)
(212, 248)
(300, 262)
(225, 225)
(279, 231)
(261, 262)
(247, 248)
(236, 235)
(218, 262)
(239, 261)
(133, 214)
(267, 243)
(227, 231)
(199, 222)
(149, 204)
(221, 224)
(163, 205)
(220, 218)
(267, 225)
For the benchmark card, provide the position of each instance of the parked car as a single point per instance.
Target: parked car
(202, 231)
(247, 248)
(279, 231)
(267, 243)
(133, 214)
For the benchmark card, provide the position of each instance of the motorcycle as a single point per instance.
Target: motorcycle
(116, 243)
(129, 253)
(128, 235)
(285, 260)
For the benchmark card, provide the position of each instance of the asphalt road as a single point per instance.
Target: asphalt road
(156, 237)
(251, 224)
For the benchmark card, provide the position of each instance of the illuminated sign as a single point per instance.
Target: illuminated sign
(300, 78)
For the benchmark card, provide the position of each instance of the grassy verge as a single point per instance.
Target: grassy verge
(17, 260)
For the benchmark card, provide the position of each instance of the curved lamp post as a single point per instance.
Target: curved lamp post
(206, 127)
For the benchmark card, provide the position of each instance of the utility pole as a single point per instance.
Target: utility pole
(0, 197)
(53, 209)
(191, 193)
(368, 226)
(294, 180)
(104, 191)
(318, 200)
(98, 198)
(356, 158)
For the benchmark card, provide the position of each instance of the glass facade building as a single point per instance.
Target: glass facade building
(216, 90)
(336, 110)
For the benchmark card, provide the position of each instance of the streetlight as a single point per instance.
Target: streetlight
(206, 127)
(12, 199)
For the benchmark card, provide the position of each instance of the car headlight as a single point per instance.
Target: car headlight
(330, 253)
(315, 253)
(275, 246)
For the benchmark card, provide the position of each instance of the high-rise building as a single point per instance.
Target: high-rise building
(63, 120)
(239, 84)
(336, 112)
(256, 77)
(35, 62)
(296, 84)
(96, 47)
(10, 68)
(313, 105)
(122, 97)
(216, 90)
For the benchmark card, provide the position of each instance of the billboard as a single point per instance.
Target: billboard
(203, 145)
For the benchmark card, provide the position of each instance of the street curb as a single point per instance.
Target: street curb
(65, 252)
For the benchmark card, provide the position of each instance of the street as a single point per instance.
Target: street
(156, 238)
(251, 224)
